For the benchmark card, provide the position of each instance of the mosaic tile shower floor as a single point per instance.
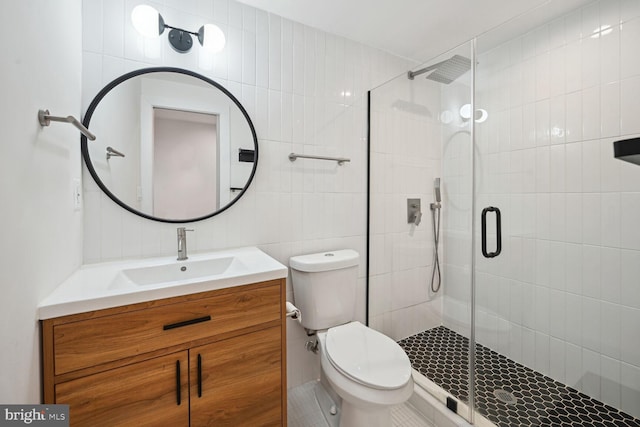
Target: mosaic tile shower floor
(507, 393)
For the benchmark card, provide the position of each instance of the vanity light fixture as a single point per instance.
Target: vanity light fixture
(149, 23)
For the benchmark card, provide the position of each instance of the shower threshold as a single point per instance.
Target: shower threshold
(507, 393)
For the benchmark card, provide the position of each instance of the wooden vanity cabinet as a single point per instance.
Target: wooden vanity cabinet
(235, 383)
(213, 358)
(149, 393)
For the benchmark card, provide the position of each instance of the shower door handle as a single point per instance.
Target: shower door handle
(498, 232)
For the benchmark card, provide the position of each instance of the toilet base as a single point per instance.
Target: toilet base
(329, 407)
(348, 414)
(373, 416)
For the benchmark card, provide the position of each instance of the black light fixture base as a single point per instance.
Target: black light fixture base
(627, 150)
(180, 40)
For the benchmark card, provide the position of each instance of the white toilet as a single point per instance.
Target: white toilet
(367, 369)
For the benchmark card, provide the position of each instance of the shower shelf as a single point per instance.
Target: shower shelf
(627, 150)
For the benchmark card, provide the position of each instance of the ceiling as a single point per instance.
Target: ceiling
(415, 29)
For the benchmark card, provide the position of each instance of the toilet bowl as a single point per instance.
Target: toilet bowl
(368, 370)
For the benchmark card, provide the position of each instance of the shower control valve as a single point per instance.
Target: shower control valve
(414, 212)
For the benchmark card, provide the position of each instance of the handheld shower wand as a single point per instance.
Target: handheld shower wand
(435, 220)
(436, 190)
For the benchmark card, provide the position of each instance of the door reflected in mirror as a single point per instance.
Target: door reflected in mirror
(185, 164)
(189, 148)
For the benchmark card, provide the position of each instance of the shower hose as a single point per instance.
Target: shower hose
(435, 275)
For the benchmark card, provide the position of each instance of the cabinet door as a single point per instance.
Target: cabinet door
(149, 393)
(237, 382)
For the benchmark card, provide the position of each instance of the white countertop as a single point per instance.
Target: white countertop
(100, 286)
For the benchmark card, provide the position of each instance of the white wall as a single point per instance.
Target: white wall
(293, 80)
(120, 174)
(41, 68)
(564, 296)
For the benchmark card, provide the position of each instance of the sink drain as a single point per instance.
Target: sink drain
(505, 397)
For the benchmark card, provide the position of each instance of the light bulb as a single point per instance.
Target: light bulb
(211, 38)
(147, 21)
(481, 115)
(465, 111)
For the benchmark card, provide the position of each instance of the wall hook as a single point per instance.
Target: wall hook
(111, 152)
(45, 119)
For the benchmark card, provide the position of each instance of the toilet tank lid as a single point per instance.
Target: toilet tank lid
(325, 261)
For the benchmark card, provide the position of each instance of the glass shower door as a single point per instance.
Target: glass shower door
(557, 312)
(421, 177)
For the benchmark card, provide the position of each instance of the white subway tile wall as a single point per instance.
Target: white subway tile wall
(305, 91)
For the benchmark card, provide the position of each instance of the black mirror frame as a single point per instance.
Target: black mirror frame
(87, 120)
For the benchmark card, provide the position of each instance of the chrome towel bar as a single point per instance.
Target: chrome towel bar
(45, 119)
(340, 160)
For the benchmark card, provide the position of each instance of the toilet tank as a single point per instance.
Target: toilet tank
(324, 287)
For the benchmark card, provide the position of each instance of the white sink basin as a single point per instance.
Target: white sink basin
(99, 286)
(178, 271)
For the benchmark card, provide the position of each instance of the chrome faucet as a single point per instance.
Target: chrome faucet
(182, 243)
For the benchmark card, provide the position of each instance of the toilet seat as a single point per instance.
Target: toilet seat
(367, 357)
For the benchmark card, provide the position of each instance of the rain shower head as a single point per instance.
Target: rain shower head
(446, 71)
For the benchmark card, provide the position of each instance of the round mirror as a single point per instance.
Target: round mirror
(171, 145)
